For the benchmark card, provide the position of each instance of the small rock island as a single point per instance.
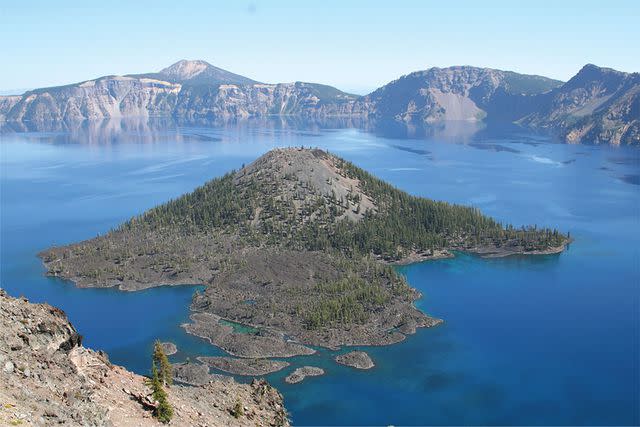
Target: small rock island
(297, 247)
(251, 367)
(169, 348)
(301, 373)
(355, 359)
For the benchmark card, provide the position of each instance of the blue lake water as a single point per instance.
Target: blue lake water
(526, 340)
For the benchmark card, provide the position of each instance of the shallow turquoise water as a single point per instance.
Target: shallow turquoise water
(526, 340)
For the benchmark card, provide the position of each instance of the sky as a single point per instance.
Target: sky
(353, 45)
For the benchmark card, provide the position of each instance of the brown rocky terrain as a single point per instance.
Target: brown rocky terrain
(47, 378)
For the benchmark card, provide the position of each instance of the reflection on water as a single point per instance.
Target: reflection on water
(150, 129)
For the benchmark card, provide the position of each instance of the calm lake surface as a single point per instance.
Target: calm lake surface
(526, 340)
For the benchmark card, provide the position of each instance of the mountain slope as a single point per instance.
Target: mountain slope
(597, 105)
(304, 237)
(198, 72)
(457, 93)
(49, 378)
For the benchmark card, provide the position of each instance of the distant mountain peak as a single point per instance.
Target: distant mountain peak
(186, 69)
(595, 71)
(199, 71)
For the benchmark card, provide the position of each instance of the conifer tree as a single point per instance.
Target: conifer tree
(165, 372)
(164, 411)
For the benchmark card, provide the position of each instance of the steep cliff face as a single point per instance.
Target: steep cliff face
(185, 90)
(112, 96)
(7, 103)
(457, 93)
(238, 101)
(47, 377)
(598, 105)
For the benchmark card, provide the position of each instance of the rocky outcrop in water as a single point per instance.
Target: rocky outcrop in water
(355, 359)
(301, 373)
(251, 367)
(169, 348)
(47, 377)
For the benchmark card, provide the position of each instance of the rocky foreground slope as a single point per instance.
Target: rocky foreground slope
(598, 105)
(48, 378)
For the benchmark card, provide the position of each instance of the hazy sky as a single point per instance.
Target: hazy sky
(354, 45)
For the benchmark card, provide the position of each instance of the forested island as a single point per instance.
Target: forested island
(294, 250)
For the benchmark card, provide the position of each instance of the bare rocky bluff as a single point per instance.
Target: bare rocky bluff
(49, 378)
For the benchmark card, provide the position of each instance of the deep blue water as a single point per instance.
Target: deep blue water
(526, 340)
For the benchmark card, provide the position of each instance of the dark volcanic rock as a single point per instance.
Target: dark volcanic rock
(195, 374)
(252, 367)
(206, 325)
(356, 359)
(301, 373)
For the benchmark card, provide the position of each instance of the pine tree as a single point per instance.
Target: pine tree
(164, 411)
(160, 360)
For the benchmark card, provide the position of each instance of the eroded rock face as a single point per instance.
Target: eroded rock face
(48, 378)
(598, 105)
(96, 99)
(457, 93)
(241, 101)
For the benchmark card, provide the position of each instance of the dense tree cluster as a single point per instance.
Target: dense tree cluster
(352, 298)
(261, 211)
